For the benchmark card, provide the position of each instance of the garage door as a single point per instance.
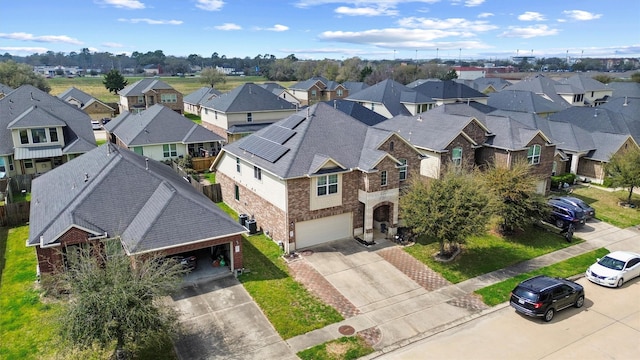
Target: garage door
(314, 232)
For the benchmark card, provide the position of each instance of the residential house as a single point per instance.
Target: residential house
(565, 95)
(486, 85)
(96, 109)
(620, 89)
(524, 101)
(470, 72)
(113, 194)
(4, 90)
(160, 133)
(595, 92)
(448, 92)
(194, 100)
(318, 175)
(318, 89)
(244, 110)
(39, 132)
(357, 111)
(145, 93)
(281, 91)
(388, 98)
(355, 86)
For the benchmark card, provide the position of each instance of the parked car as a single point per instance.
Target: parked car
(105, 120)
(564, 214)
(543, 296)
(188, 262)
(614, 269)
(589, 212)
(95, 124)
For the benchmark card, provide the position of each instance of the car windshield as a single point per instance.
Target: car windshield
(611, 263)
(524, 293)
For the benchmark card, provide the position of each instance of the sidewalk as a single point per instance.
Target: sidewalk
(441, 305)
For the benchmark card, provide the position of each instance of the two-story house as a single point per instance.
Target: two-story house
(194, 100)
(162, 134)
(39, 132)
(318, 175)
(145, 93)
(595, 92)
(318, 89)
(244, 110)
(95, 108)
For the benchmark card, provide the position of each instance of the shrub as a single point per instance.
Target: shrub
(558, 180)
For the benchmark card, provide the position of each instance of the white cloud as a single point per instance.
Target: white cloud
(112, 45)
(210, 5)
(228, 27)
(485, 15)
(23, 50)
(152, 21)
(581, 15)
(127, 4)
(278, 28)
(529, 32)
(531, 16)
(366, 11)
(457, 24)
(370, 3)
(472, 3)
(42, 38)
(401, 38)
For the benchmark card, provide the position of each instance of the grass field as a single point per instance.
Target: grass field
(93, 85)
(607, 205)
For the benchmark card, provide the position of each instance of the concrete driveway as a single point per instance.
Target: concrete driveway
(222, 321)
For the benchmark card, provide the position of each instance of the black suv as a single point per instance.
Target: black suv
(542, 296)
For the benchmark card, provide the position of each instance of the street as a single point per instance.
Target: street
(606, 327)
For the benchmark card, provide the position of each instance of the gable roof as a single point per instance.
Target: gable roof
(297, 145)
(548, 88)
(28, 106)
(325, 84)
(583, 83)
(625, 88)
(158, 125)
(355, 86)
(201, 95)
(387, 92)
(116, 192)
(524, 101)
(143, 86)
(357, 111)
(248, 97)
(447, 89)
(510, 134)
(82, 97)
(4, 89)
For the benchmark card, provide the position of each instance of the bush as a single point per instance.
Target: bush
(558, 180)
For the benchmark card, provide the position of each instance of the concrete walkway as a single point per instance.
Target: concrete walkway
(416, 312)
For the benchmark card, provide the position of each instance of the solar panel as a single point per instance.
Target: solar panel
(264, 148)
(292, 121)
(278, 134)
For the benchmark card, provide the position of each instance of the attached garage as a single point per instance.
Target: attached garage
(314, 232)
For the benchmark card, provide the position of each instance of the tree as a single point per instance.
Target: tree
(635, 77)
(623, 170)
(449, 209)
(15, 75)
(450, 75)
(115, 298)
(212, 76)
(514, 198)
(114, 81)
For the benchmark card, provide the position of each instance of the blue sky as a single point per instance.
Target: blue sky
(318, 29)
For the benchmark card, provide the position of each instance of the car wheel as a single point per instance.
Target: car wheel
(579, 301)
(548, 315)
(620, 282)
(560, 223)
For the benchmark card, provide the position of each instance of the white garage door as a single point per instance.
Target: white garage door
(314, 232)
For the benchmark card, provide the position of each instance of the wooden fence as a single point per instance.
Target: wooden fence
(14, 214)
(212, 191)
(201, 164)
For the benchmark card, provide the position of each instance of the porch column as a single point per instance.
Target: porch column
(574, 163)
(368, 222)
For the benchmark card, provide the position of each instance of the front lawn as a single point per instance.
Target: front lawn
(606, 204)
(490, 252)
(498, 293)
(344, 348)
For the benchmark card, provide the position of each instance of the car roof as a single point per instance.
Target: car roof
(623, 255)
(541, 282)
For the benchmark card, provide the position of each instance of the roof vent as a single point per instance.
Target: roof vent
(146, 163)
(86, 177)
(625, 102)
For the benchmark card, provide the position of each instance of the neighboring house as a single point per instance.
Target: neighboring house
(244, 110)
(357, 111)
(386, 98)
(111, 193)
(469, 72)
(354, 86)
(194, 100)
(318, 175)
(145, 93)
(595, 92)
(152, 70)
(95, 108)
(620, 89)
(162, 134)
(39, 132)
(523, 101)
(448, 92)
(318, 89)
(281, 91)
(4, 90)
(565, 95)
(486, 85)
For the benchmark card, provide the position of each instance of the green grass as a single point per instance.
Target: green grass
(606, 204)
(490, 252)
(211, 176)
(27, 325)
(101, 142)
(193, 117)
(344, 348)
(498, 293)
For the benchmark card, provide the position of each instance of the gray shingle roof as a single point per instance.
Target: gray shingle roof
(4, 89)
(387, 92)
(158, 125)
(39, 108)
(447, 89)
(143, 86)
(583, 83)
(541, 85)
(523, 101)
(355, 86)
(145, 203)
(357, 111)
(201, 95)
(248, 97)
(509, 134)
(622, 89)
(77, 94)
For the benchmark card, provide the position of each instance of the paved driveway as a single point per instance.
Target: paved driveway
(222, 321)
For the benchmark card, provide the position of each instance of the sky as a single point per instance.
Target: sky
(325, 29)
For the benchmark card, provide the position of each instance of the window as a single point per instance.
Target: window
(39, 135)
(3, 169)
(383, 178)
(140, 99)
(403, 169)
(169, 150)
(215, 115)
(533, 155)
(373, 107)
(236, 192)
(28, 164)
(257, 173)
(24, 137)
(391, 146)
(10, 163)
(53, 134)
(314, 93)
(339, 92)
(169, 98)
(249, 117)
(327, 185)
(138, 150)
(238, 164)
(456, 156)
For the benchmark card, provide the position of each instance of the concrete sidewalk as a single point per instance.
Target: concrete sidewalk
(438, 304)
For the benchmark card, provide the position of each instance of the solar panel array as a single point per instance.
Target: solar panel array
(278, 134)
(292, 121)
(264, 148)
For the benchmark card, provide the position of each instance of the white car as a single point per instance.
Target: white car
(615, 269)
(95, 124)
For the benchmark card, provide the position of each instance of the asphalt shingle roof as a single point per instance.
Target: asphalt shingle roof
(143, 86)
(201, 95)
(447, 89)
(387, 92)
(357, 111)
(524, 101)
(248, 97)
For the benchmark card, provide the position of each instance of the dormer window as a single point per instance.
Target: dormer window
(39, 135)
(24, 137)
